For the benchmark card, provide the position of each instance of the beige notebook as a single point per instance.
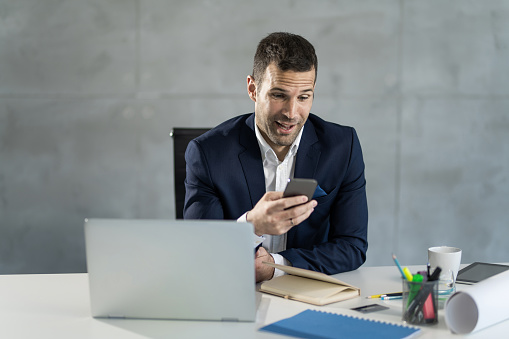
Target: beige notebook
(308, 286)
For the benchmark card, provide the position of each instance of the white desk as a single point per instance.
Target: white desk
(57, 306)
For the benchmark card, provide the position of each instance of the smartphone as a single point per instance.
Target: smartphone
(296, 186)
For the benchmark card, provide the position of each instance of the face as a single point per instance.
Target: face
(282, 104)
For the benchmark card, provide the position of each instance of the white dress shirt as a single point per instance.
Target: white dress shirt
(276, 174)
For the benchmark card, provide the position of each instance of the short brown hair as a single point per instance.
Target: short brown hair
(290, 52)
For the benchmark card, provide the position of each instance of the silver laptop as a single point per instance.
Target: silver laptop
(171, 269)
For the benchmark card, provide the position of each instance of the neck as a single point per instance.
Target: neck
(281, 151)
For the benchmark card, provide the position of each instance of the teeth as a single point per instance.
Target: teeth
(285, 127)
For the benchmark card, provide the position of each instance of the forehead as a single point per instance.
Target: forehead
(288, 80)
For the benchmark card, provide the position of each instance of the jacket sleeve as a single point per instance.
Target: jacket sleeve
(202, 201)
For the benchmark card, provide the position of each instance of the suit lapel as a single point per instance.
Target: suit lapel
(250, 158)
(308, 153)
(251, 161)
(306, 164)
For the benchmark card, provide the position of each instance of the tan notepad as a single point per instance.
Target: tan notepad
(308, 286)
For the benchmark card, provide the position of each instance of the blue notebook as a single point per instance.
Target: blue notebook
(322, 325)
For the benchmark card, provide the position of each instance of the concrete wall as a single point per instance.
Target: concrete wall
(89, 91)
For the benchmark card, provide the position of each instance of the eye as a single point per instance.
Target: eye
(304, 97)
(278, 95)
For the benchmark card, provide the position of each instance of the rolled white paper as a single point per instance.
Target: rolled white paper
(479, 306)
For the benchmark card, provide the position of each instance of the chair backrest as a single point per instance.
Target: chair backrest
(181, 137)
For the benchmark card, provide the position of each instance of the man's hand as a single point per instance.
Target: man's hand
(276, 215)
(263, 272)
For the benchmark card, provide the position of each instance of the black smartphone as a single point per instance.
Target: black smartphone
(296, 186)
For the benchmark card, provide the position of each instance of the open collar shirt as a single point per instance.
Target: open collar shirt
(277, 174)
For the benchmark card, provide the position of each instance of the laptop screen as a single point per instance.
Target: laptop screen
(171, 269)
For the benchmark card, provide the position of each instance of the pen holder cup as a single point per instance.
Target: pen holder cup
(420, 302)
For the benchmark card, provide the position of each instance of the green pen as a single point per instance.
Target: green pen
(414, 288)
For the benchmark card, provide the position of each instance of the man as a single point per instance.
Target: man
(239, 169)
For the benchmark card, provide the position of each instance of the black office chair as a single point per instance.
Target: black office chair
(181, 137)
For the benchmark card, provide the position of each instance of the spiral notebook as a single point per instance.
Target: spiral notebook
(317, 324)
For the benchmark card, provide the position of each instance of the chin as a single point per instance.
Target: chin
(286, 140)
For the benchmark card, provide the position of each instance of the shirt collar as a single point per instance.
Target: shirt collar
(265, 148)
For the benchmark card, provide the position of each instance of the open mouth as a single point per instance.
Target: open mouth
(285, 128)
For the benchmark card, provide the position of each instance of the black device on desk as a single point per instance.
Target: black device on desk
(478, 271)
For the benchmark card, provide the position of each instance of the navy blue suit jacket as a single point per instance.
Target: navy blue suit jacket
(225, 179)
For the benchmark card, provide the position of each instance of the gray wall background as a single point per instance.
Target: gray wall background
(89, 91)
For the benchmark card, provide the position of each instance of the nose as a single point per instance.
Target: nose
(290, 109)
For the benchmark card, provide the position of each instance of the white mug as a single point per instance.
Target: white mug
(447, 258)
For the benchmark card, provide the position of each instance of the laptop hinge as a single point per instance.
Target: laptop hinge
(230, 319)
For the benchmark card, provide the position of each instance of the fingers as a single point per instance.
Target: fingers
(292, 201)
(271, 196)
(263, 272)
(291, 217)
(261, 252)
(276, 215)
(298, 214)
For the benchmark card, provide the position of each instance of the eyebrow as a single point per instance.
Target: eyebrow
(283, 90)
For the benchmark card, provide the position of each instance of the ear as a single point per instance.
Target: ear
(251, 87)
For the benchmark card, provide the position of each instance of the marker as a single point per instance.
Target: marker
(428, 309)
(397, 264)
(407, 274)
(414, 288)
(424, 275)
(436, 274)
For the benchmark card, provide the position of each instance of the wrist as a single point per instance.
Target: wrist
(256, 231)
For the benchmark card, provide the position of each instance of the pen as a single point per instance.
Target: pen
(376, 296)
(391, 298)
(397, 264)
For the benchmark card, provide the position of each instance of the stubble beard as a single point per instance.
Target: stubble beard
(281, 139)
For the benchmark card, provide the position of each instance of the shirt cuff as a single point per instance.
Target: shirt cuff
(257, 239)
(242, 218)
(280, 260)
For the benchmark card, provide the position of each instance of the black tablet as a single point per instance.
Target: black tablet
(478, 271)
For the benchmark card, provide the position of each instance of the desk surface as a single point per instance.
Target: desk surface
(57, 306)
